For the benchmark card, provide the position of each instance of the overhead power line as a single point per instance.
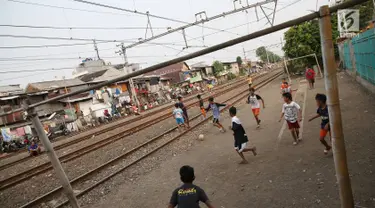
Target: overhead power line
(237, 26)
(147, 14)
(67, 8)
(64, 38)
(81, 28)
(44, 46)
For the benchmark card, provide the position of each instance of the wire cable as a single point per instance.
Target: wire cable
(79, 28)
(65, 38)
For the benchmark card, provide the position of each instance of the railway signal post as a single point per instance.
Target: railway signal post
(333, 101)
(52, 157)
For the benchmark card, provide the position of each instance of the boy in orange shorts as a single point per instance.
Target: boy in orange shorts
(201, 106)
(322, 112)
(253, 100)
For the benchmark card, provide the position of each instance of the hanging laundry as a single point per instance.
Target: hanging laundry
(28, 130)
(6, 135)
(20, 131)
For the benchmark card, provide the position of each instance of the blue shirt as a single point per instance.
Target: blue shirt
(215, 109)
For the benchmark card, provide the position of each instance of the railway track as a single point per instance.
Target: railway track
(165, 107)
(46, 166)
(156, 143)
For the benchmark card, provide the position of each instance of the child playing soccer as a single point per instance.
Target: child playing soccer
(285, 87)
(249, 80)
(253, 100)
(240, 137)
(201, 106)
(183, 108)
(322, 112)
(216, 113)
(291, 111)
(178, 114)
(188, 195)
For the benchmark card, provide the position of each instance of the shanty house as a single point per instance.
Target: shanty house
(40, 91)
(174, 72)
(11, 97)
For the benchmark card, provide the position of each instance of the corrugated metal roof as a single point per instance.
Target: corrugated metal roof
(54, 84)
(108, 75)
(11, 89)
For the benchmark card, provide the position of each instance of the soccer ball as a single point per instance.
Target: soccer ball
(201, 137)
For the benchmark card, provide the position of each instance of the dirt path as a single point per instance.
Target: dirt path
(282, 175)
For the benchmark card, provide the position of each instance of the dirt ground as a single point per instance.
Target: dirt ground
(282, 175)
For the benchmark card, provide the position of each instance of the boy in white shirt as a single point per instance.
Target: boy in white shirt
(292, 113)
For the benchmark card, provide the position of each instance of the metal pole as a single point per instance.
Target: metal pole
(96, 49)
(54, 159)
(69, 104)
(286, 66)
(331, 84)
(317, 62)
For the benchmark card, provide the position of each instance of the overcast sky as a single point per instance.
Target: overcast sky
(75, 14)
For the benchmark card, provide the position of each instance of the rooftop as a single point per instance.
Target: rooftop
(52, 85)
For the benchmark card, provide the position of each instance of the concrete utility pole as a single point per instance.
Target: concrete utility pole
(96, 49)
(333, 102)
(286, 65)
(52, 156)
(131, 83)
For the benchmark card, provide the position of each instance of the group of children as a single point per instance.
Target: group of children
(189, 195)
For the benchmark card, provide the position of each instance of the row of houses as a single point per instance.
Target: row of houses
(149, 87)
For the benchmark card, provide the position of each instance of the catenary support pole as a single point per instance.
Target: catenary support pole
(53, 158)
(333, 101)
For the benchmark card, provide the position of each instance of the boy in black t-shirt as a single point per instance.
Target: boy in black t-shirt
(240, 137)
(188, 195)
(322, 112)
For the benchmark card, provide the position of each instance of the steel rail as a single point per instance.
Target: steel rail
(110, 162)
(46, 166)
(202, 52)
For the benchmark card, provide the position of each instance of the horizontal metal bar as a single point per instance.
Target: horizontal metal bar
(313, 54)
(205, 51)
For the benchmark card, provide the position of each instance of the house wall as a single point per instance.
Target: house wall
(45, 109)
(209, 70)
(234, 68)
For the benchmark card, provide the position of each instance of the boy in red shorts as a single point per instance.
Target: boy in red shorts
(322, 112)
(291, 111)
(253, 100)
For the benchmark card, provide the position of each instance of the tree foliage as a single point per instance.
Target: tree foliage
(218, 67)
(239, 61)
(262, 53)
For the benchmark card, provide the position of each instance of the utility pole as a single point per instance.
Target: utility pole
(131, 83)
(286, 66)
(333, 102)
(69, 104)
(96, 49)
(52, 155)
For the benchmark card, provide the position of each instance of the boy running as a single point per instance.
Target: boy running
(240, 137)
(292, 113)
(201, 106)
(253, 100)
(183, 108)
(188, 195)
(249, 80)
(178, 114)
(285, 87)
(322, 112)
(216, 113)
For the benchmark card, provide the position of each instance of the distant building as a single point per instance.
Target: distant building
(174, 72)
(41, 91)
(232, 67)
(11, 97)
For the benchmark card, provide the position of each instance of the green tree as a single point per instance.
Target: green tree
(262, 53)
(239, 61)
(218, 67)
